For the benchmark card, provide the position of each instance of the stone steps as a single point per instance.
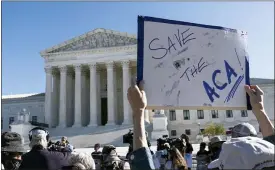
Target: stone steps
(86, 137)
(74, 131)
(82, 137)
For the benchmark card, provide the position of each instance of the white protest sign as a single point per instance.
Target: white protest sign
(192, 66)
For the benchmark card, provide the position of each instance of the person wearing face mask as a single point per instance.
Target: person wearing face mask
(11, 150)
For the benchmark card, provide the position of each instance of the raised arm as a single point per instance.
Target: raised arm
(138, 102)
(257, 101)
(141, 157)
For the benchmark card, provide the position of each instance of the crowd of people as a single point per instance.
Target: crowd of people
(243, 151)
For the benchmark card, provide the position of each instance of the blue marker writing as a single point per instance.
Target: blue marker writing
(210, 91)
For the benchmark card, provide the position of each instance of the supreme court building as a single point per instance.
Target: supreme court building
(87, 79)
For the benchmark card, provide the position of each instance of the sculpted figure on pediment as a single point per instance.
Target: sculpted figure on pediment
(98, 40)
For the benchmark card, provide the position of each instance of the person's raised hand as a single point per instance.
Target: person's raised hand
(136, 96)
(256, 97)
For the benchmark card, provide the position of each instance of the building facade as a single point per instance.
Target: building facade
(87, 79)
(13, 105)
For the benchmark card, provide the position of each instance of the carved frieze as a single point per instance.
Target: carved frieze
(97, 40)
(65, 56)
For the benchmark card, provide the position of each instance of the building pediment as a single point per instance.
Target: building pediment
(98, 38)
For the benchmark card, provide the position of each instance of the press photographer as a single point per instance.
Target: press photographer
(55, 146)
(60, 146)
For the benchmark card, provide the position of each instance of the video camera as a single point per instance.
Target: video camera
(128, 138)
(173, 142)
(56, 146)
(161, 142)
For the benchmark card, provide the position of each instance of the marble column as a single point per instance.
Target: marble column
(126, 84)
(116, 119)
(98, 80)
(78, 99)
(110, 93)
(70, 95)
(84, 106)
(63, 97)
(55, 99)
(93, 95)
(87, 98)
(48, 98)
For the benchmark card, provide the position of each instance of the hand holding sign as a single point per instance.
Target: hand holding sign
(136, 96)
(192, 66)
(256, 97)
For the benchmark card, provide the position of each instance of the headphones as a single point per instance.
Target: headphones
(39, 128)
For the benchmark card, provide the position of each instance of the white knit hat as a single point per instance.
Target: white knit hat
(38, 134)
(245, 153)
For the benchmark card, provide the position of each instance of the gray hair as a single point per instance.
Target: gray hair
(78, 166)
(83, 158)
(39, 140)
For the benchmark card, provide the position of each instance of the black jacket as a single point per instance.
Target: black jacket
(96, 155)
(42, 159)
(189, 148)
